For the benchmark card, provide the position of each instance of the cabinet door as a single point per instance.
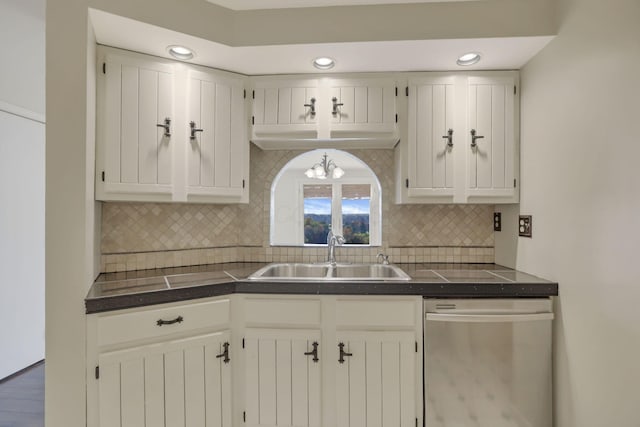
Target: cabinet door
(134, 154)
(283, 108)
(283, 384)
(181, 383)
(376, 384)
(216, 155)
(432, 137)
(493, 159)
(368, 107)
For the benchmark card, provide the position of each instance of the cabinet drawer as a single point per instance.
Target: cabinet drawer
(379, 313)
(157, 322)
(282, 311)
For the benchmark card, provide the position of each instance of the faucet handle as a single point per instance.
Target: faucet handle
(385, 258)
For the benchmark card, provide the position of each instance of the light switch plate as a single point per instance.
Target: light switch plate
(524, 226)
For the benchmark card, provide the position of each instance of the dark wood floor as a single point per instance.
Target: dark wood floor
(22, 399)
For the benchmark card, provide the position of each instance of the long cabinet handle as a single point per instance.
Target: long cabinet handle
(313, 352)
(312, 106)
(343, 353)
(192, 125)
(449, 138)
(161, 322)
(166, 126)
(489, 318)
(225, 353)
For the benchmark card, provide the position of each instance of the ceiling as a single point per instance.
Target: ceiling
(289, 4)
(499, 53)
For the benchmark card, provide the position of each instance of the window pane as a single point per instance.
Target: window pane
(317, 213)
(356, 209)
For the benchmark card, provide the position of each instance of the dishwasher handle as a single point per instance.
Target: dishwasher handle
(488, 318)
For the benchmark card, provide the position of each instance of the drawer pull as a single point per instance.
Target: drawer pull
(343, 353)
(161, 322)
(313, 352)
(225, 353)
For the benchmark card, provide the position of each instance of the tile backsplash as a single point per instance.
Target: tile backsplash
(139, 236)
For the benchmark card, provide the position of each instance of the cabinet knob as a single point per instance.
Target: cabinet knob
(474, 137)
(192, 125)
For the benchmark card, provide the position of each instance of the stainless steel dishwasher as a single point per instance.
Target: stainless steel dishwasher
(487, 362)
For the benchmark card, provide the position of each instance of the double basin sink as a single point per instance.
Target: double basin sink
(324, 272)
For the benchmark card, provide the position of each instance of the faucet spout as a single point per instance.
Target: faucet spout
(333, 240)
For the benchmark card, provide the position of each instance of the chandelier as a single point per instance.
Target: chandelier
(325, 169)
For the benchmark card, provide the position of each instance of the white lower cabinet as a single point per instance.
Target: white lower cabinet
(376, 379)
(175, 383)
(258, 360)
(282, 377)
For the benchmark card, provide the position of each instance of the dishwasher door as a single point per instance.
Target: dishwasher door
(488, 363)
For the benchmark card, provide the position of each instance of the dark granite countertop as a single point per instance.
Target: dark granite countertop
(114, 291)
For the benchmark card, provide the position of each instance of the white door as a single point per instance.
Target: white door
(217, 146)
(376, 379)
(491, 139)
(134, 153)
(433, 135)
(182, 383)
(285, 107)
(283, 381)
(362, 106)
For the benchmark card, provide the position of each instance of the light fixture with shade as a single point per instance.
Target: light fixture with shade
(325, 169)
(180, 52)
(324, 63)
(468, 59)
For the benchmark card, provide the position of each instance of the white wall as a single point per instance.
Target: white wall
(581, 183)
(22, 50)
(21, 184)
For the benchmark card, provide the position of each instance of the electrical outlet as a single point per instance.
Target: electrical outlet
(524, 225)
(497, 221)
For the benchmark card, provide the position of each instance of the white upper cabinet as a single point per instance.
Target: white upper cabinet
(461, 139)
(218, 144)
(362, 107)
(492, 149)
(144, 149)
(134, 154)
(285, 108)
(431, 135)
(293, 113)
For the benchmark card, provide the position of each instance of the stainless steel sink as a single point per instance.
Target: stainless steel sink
(326, 272)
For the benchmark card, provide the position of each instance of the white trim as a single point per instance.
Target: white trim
(22, 112)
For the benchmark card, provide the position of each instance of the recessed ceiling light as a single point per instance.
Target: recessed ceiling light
(180, 52)
(468, 59)
(324, 63)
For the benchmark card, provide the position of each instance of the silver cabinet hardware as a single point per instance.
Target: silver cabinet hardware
(474, 137)
(312, 106)
(192, 124)
(336, 104)
(167, 127)
(449, 138)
